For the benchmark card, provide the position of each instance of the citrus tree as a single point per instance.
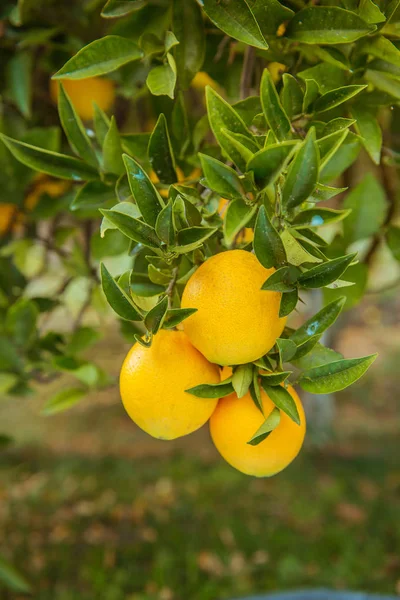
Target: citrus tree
(204, 167)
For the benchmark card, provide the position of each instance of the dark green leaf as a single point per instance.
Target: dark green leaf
(368, 205)
(177, 315)
(117, 297)
(135, 144)
(165, 225)
(19, 80)
(269, 162)
(291, 96)
(284, 401)
(52, 163)
(335, 376)
(283, 280)
(255, 392)
(91, 195)
(369, 129)
(101, 123)
(191, 238)
(237, 216)
(276, 117)
(245, 146)
(235, 18)
(145, 194)
(274, 378)
(310, 94)
(112, 150)
(317, 324)
(317, 217)
(327, 25)
(325, 273)
(155, 317)
(335, 97)
(160, 152)
(288, 302)
(188, 27)
(325, 192)
(221, 178)
(120, 8)
(74, 129)
(63, 400)
(270, 423)
(305, 347)
(106, 54)
(241, 379)
(134, 229)
(319, 355)
(217, 390)
(267, 244)
(269, 15)
(302, 176)
(286, 349)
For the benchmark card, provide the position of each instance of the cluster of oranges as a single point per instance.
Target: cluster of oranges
(236, 323)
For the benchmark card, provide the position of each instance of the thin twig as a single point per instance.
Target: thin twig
(171, 285)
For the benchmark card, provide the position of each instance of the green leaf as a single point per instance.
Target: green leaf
(74, 129)
(302, 176)
(63, 400)
(325, 273)
(325, 192)
(288, 302)
(12, 579)
(305, 347)
(270, 423)
(155, 317)
(269, 15)
(102, 56)
(145, 194)
(267, 244)
(51, 163)
(241, 379)
(165, 225)
(188, 26)
(335, 376)
(317, 324)
(120, 8)
(112, 150)
(295, 253)
(382, 48)
(7, 382)
(217, 390)
(327, 25)
(81, 339)
(368, 205)
(101, 124)
(268, 163)
(319, 355)
(335, 97)
(161, 80)
(291, 96)
(318, 217)
(235, 18)
(160, 152)
(135, 144)
(21, 321)
(276, 117)
(191, 238)
(117, 297)
(185, 213)
(383, 82)
(283, 280)
(368, 127)
(222, 116)
(357, 279)
(286, 349)
(244, 145)
(237, 216)
(284, 401)
(19, 81)
(136, 230)
(310, 94)
(221, 178)
(274, 378)
(255, 392)
(91, 195)
(393, 241)
(327, 76)
(369, 11)
(177, 315)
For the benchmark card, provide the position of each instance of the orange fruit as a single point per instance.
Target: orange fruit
(236, 420)
(8, 214)
(153, 383)
(83, 92)
(236, 322)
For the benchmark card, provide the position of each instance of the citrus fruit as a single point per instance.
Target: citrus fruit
(236, 322)
(236, 420)
(153, 383)
(44, 185)
(276, 70)
(8, 214)
(83, 92)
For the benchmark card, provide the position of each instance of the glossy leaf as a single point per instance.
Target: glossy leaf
(51, 163)
(274, 378)
(191, 238)
(335, 376)
(319, 355)
(325, 192)
(288, 303)
(310, 94)
(92, 195)
(165, 225)
(117, 297)
(282, 280)
(327, 25)
(235, 18)
(284, 401)
(270, 423)
(155, 317)
(177, 315)
(325, 273)
(102, 56)
(161, 80)
(74, 129)
(276, 117)
(217, 390)
(269, 15)
(237, 216)
(221, 178)
(160, 152)
(112, 150)
(305, 347)
(291, 96)
(240, 143)
(145, 194)
(302, 176)
(317, 324)
(336, 97)
(241, 379)
(295, 253)
(136, 230)
(318, 217)
(267, 244)
(188, 27)
(269, 162)
(120, 8)
(286, 349)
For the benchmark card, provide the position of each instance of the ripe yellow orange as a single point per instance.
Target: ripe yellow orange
(236, 322)
(8, 215)
(153, 383)
(246, 235)
(202, 79)
(83, 92)
(236, 420)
